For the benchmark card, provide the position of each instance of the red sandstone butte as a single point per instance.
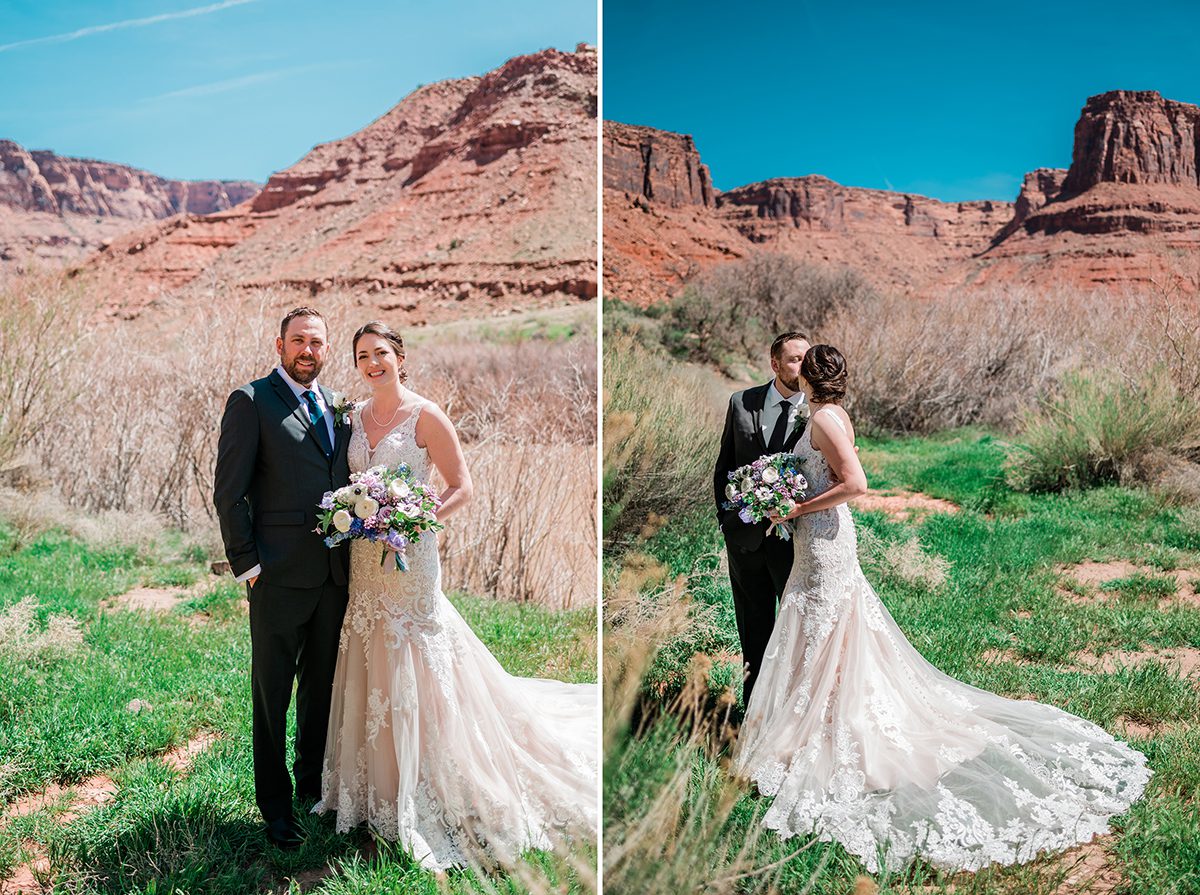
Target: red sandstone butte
(1125, 214)
(471, 197)
(55, 209)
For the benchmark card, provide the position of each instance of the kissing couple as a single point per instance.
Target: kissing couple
(853, 733)
(404, 719)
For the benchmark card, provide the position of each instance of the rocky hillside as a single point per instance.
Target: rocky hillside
(55, 209)
(470, 197)
(1126, 213)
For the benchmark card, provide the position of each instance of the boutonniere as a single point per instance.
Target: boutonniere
(342, 408)
(803, 412)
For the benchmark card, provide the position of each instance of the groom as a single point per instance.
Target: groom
(765, 419)
(279, 451)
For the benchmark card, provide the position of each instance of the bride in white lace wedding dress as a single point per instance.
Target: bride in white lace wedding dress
(430, 740)
(863, 742)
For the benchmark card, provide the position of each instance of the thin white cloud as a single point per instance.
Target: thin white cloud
(221, 86)
(128, 23)
(229, 84)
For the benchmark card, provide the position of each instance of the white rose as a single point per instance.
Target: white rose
(366, 508)
(399, 489)
(343, 495)
(731, 491)
(747, 484)
(341, 521)
(770, 475)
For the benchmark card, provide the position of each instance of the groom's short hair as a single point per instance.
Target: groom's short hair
(303, 311)
(777, 345)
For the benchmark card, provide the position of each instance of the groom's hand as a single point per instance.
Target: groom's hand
(252, 581)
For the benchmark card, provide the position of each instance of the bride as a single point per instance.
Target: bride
(863, 742)
(430, 740)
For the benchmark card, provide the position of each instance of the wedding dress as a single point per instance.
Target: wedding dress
(861, 741)
(430, 740)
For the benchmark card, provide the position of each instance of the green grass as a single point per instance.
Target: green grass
(1003, 591)
(63, 718)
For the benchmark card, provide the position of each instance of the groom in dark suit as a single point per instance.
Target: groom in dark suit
(279, 451)
(765, 419)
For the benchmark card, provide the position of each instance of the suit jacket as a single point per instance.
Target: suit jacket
(743, 442)
(271, 473)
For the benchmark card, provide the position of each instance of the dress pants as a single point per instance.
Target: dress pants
(757, 578)
(293, 637)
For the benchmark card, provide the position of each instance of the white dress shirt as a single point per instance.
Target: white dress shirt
(772, 409)
(299, 391)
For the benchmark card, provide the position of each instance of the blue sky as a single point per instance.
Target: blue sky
(237, 89)
(951, 100)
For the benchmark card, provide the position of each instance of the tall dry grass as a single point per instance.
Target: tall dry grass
(124, 419)
(42, 331)
(668, 802)
(660, 437)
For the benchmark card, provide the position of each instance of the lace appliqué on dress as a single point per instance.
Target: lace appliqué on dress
(430, 741)
(862, 741)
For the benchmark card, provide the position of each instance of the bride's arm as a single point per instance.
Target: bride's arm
(435, 429)
(849, 479)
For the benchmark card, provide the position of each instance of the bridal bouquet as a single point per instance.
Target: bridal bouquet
(771, 485)
(383, 505)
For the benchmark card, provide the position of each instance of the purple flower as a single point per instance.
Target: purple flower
(745, 516)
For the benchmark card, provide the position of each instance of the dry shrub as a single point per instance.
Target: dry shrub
(1098, 428)
(44, 354)
(137, 415)
(731, 313)
(529, 534)
(905, 560)
(660, 437)
(23, 640)
(30, 515)
(921, 366)
(528, 391)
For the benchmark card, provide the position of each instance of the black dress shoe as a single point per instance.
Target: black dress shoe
(283, 833)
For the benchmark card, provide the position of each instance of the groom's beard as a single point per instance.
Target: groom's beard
(301, 375)
(792, 385)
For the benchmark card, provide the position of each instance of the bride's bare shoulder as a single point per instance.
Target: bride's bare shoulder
(833, 420)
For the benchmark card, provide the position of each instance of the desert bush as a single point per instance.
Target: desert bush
(24, 640)
(528, 392)
(44, 357)
(137, 432)
(905, 560)
(529, 534)
(1097, 428)
(660, 437)
(731, 313)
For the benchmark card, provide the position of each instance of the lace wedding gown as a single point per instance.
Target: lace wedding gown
(430, 740)
(863, 742)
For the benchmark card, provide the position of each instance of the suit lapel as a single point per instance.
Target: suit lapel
(299, 411)
(341, 434)
(756, 411)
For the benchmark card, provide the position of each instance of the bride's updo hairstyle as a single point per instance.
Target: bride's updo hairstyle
(824, 369)
(381, 329)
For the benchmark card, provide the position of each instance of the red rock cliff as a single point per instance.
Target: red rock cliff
(657, 165)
